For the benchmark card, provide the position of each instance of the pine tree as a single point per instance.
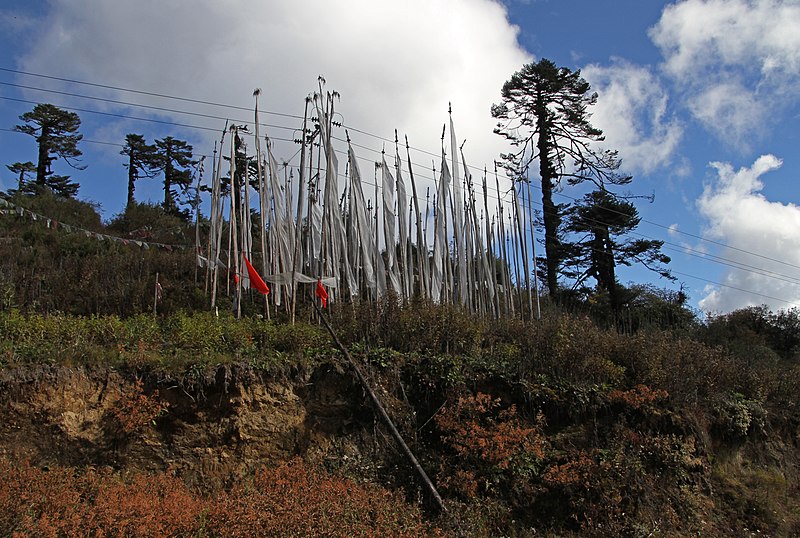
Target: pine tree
(22, 170)
(544, 113)
(143, 161)
(56, 132)
(175, 158)
(600, 221)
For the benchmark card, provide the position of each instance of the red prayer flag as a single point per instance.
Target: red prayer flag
(255, 280)
(321, 293)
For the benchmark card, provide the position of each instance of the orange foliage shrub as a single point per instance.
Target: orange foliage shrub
(476, 428)
(290, 500)
(60, 502)
(134, 410)
(488, 441)
(638, 397)
(574, 473)
(294, 500)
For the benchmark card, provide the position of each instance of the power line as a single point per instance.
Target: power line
(136, 118)
(189, 100)
(716, 259)
(536, 203)
(737, 288)
(739, 265)
(150, 107)
(141, 92)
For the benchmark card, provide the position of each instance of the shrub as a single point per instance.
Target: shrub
(135, 410)
(492, 446)
(289, 500)
(295, 500)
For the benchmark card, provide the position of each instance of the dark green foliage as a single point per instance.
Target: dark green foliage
(600, 222)
(143, 161)
(56, 133)
(21, 170)
(757, 328)
(175, 160)
(149, 222)
(544, 113)
(173, 343)
(54, 270)
(646, 307)
(63, 210)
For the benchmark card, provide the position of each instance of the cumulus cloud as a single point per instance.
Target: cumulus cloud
(762, 238)
(730, 111)
(732, 56)
(395, 64)
(632, 111)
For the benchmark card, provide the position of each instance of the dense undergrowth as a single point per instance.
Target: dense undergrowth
(649, 424)
(291, 500)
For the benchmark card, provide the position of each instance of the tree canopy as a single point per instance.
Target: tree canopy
(600, 221)
(21, 170)
(143, 161)
(56, 132)
(175, 159)
(544, 114)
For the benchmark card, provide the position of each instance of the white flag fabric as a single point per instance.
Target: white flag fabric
(334, 239)
(402, 219)
(363, 230)
(440, 249)
(458, 220)
(388, 227)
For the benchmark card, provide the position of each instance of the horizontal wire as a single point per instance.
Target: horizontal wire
(739, 266)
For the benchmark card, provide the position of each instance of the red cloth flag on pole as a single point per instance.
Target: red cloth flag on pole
(321, 293)
(255, 280)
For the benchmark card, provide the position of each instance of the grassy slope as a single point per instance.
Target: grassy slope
(560, 425)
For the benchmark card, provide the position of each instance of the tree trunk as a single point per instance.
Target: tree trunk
(131, 179)
(552, 220)
(44, 157)
(168, 202)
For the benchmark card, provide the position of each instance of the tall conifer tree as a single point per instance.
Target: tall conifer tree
(143, 161)
(56, 132)
(544, 113)
(175, 158)
(600, 221)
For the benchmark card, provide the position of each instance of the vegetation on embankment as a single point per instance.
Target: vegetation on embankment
(555, 425)
(575, 424)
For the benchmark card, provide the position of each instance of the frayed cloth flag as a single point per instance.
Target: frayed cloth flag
(256, 280)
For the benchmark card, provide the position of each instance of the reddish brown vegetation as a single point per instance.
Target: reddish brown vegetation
(134, 410)
(638, 397)
(489, 442)
(290, 500)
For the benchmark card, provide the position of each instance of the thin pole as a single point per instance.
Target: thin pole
(384, 415)
(155, 296)
(533, 248)
(299, 217)
(422, 247)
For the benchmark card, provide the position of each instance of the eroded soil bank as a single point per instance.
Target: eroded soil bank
(221, 425)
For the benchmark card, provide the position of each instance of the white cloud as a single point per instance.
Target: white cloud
(740, 216)
(698, 35)
(731, 111)
(737, 59)
(396, 64)
(672, 229)
(632, 112)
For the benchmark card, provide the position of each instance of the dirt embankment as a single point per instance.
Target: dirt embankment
(220, 426)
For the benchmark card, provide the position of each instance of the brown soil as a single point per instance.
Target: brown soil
(214, 430)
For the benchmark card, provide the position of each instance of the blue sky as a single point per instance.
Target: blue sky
(699, 96)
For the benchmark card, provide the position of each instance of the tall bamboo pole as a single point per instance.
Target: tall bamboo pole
(300, 203)
(422, 248)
